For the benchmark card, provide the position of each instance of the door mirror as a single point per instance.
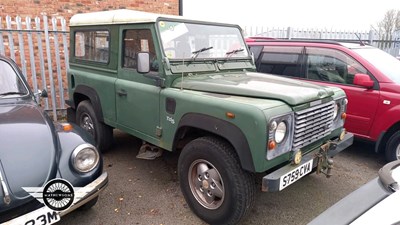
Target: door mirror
(40, 94)
(143, 62)
(363, 80)
(43, 93)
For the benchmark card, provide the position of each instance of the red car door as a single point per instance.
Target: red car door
(333, 67)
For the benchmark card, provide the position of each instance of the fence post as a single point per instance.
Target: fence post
(58, 63)
(65, 43)
(10, 38)
(49, 66)
(371, 37)
(21, 46)
(41, 58)
(31, 54)
(1, 40)
(289, 33)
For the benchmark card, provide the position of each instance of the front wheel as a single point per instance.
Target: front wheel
(87, 119)
(214, 185)
(392, 151)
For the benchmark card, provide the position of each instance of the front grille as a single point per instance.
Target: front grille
(312, 124)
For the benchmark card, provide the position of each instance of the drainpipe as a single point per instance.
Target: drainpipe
(180, 7)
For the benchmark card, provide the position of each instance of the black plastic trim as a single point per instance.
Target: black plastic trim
(93, 97)
(223, 129)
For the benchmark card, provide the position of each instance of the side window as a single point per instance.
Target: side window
(332, 66)
(92, 46)
(138, 40)
(256, 50)
(280, 60)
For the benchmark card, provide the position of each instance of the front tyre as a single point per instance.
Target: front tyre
(392, 151)
(87, 119)
(214, 185)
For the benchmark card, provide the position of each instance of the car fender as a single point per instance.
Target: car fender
(384, 121)
(68, 142)
(224, 129)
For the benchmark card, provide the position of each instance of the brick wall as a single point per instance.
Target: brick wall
(67, 8)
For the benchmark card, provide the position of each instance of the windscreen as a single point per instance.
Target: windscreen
(189, 40)
(384, 62)
(11, 84)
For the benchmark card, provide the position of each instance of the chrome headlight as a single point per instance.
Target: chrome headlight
(339, 112)
(280, 135)
(336, 109)
(85, 158)
(280, 132)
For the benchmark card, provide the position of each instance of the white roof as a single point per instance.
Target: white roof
(119, 16)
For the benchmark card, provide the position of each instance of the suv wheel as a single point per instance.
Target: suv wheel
(213, 183)
(87, 119)
(392, 150)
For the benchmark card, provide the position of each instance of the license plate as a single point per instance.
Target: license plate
(294, 175)
(43, 215)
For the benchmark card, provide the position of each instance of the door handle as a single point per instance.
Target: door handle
(122, 92)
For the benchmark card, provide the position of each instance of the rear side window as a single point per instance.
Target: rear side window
(280, 60)
(92, 46)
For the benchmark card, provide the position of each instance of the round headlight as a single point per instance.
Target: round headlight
(280, 132)
(336, 110)
(85, 158)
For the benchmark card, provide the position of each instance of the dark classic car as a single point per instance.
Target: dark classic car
(373, 203)
(46, 169)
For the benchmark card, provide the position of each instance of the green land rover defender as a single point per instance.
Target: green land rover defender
(189, 86)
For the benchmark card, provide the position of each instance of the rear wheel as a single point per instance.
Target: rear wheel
(392, 150)
(87, 119)
(214, 185)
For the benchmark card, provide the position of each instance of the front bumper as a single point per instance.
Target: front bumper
(92, 191)
(272, 182)
(85, 194)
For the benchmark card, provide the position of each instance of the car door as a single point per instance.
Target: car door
(335, 68)
(137, 97)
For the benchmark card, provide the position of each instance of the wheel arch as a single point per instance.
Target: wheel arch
(384, 137)
(83, 93)
(205, 124)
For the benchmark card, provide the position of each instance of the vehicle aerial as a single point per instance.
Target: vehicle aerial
(52, 158)
(190, 87)
(369, 76)
(373, 203)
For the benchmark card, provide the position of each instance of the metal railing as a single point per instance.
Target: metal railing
(389, 43)
(34, 45)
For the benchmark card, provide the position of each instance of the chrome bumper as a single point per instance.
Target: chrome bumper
(85, 194)
(92, 191)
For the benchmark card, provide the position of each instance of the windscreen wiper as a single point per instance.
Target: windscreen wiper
(197, 52)
(234, 51)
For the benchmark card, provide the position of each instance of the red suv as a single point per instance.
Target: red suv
(369, 76)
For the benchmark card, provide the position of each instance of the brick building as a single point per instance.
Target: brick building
(67, 8)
